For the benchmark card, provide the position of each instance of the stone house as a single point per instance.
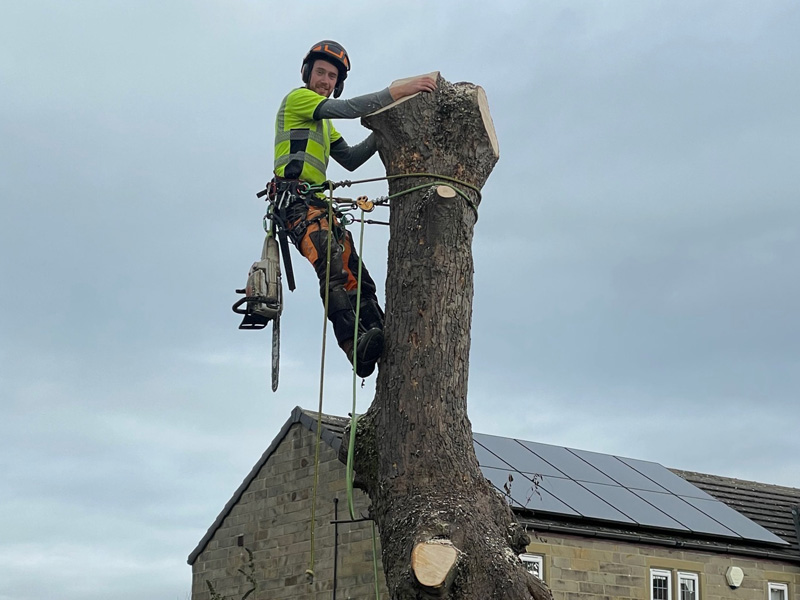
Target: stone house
(603, 527)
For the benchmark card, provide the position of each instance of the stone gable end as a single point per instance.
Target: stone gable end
(273, 518)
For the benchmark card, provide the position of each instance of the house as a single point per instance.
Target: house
(603, 526)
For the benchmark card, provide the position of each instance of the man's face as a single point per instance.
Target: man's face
(323, 77)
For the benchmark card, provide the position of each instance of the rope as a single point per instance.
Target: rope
(310, 571)
(439, 180)
(375, 562)
(351, 445)
(354, 417)
(471, 204)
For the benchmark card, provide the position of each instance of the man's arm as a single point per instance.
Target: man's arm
(412, 85)
(352, 157)
(359, 106)
(352, 108)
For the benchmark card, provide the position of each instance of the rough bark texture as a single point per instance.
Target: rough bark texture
(414, 453)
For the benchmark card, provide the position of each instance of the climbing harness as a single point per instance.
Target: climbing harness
(287, 199)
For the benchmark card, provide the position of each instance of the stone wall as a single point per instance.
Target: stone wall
(577, 568)
(273, 519)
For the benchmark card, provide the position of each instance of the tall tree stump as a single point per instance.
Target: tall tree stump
(445, 531)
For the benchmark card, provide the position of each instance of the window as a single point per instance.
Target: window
(778, 591)
(687, 586)
(534, 563)
(660, 584)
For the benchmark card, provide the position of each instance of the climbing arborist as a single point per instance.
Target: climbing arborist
(304, 141)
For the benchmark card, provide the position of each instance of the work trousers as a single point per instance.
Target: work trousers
(309, 229)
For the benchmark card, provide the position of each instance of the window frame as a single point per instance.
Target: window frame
(691, 576)
(777, 586)
(537, 559)
(666, 573)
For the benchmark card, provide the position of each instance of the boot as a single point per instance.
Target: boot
(370, 315)
(341, 315)
(368, 350)
(370, 341)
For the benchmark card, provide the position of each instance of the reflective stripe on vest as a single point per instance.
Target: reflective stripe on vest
(308, 148)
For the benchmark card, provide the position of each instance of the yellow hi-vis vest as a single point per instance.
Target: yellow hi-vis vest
(302, 144)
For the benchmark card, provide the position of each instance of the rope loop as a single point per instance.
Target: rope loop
(438, 180)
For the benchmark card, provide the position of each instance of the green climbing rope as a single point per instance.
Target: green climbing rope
(310, 571)
(375, 562)
(351, 445)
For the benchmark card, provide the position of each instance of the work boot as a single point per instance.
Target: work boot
(370, 315)
(368, 350)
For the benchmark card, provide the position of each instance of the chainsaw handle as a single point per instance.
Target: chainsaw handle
(239, 302)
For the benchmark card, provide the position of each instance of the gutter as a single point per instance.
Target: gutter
(688, 545)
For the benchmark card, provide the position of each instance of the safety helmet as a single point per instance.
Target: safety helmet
(334, 53)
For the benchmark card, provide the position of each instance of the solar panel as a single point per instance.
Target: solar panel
(633, 506)
(524, 494)
(571, 465)
(623, 474)
(666, 478)
(686, 514)
(578, 483)
(517, 455)
(488, 459)
(582, 500)
(723, 513)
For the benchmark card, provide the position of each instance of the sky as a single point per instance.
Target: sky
(636, 256)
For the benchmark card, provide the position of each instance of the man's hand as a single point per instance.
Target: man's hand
(412, 85)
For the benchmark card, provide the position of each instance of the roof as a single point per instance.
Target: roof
(768, 506)
(774, 507)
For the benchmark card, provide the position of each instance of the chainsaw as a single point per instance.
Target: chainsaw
(263, 299)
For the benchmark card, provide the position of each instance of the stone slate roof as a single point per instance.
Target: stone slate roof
(773, 507)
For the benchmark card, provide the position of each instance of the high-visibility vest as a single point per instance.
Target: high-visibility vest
(302, 144)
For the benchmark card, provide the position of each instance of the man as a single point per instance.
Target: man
(304, 141)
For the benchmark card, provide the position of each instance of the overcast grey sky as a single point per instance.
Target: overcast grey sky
(636, 284)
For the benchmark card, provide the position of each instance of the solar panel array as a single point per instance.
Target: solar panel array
(577, 483)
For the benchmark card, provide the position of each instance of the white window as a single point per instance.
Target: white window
(688, 585)
(660, 584)
(534, 563)
(778, 591)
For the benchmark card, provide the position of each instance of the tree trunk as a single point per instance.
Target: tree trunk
(445, 531)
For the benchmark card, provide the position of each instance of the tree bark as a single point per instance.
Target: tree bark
(445, 531)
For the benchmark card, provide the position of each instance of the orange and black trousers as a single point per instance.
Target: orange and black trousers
(308, 227)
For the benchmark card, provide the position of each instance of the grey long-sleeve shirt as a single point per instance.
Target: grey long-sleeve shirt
(352, 157)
